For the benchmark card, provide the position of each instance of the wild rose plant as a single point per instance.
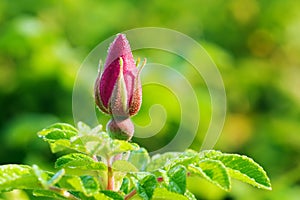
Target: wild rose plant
(106, 165)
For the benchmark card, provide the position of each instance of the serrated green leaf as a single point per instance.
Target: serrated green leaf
(164, 194)
(17, 177)
(92, 142)
(146, 186)
(209, 153)
(183, 160)
(58, 136)
(112, 194)
(214, 171)
(79, 161)
(124, 166)
(245, 169)
(139, 158)
(58, 131)
(60, 145)
(177, 179)
(160, 160)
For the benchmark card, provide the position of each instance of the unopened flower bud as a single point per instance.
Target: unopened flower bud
(118, 90)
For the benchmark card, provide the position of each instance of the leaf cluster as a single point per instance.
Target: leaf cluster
(92, 158)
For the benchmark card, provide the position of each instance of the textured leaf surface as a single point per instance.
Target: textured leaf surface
(160, 160)
(164, 194)
(79, 161)
(90, 185)
(113, 195)
(214, 171)
(17, 177)
(146, 186)
(245, 169)
(58, 131)
(124, 166)
(177, 179)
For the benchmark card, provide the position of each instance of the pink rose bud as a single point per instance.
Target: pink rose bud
(118, 90)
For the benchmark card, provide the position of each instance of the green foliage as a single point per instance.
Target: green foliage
(79, 161)
(17, 176)
(213, 171)
(146, 186)
(255, 45)
(85, 140)
(177, 179)
(82, 175)
(164, 194)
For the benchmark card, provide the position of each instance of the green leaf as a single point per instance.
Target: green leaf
(125, 185)
(146, 186)
(102, 196)
(79, 161)
(177, 179)
(245, 169)
(164, 194)
(17, 177)
(214, 171)
(41, 175)
(190, 195)
(139, 158)
(83, 128)
(124, 166)
(90, 185)
(160, 160)
(112, 194)
(58, 136)
(48, 193)
(58, 131)
(59, 145)
(182, 159)
(72, 183)
(85, 184)
(120, 146)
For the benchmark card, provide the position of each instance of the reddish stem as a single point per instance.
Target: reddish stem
(129, 195)
(110, 179)
(110, 175)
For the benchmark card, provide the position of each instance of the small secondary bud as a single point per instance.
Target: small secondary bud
(120, 128)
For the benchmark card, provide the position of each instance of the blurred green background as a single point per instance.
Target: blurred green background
(255, 44)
